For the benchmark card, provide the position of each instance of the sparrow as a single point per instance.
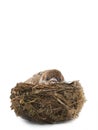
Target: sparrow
(46, 77)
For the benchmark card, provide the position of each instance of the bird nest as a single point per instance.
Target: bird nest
(47, 103)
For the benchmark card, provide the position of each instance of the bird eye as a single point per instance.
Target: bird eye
(47, 78)
(59, 79)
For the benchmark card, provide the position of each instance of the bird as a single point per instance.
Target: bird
(52, 76)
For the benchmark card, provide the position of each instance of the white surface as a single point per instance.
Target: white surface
(43, 34)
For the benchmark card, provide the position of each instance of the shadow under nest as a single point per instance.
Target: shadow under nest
(47, 103)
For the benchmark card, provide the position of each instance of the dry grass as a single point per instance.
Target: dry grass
(47, 103)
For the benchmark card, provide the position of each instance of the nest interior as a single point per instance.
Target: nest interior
(47, 103)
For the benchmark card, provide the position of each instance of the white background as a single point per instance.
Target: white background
(44, 34)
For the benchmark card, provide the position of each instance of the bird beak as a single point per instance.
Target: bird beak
(53, 80)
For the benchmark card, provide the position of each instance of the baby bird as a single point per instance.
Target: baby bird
(46, 77)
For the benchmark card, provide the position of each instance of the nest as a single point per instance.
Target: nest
(49, 103)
